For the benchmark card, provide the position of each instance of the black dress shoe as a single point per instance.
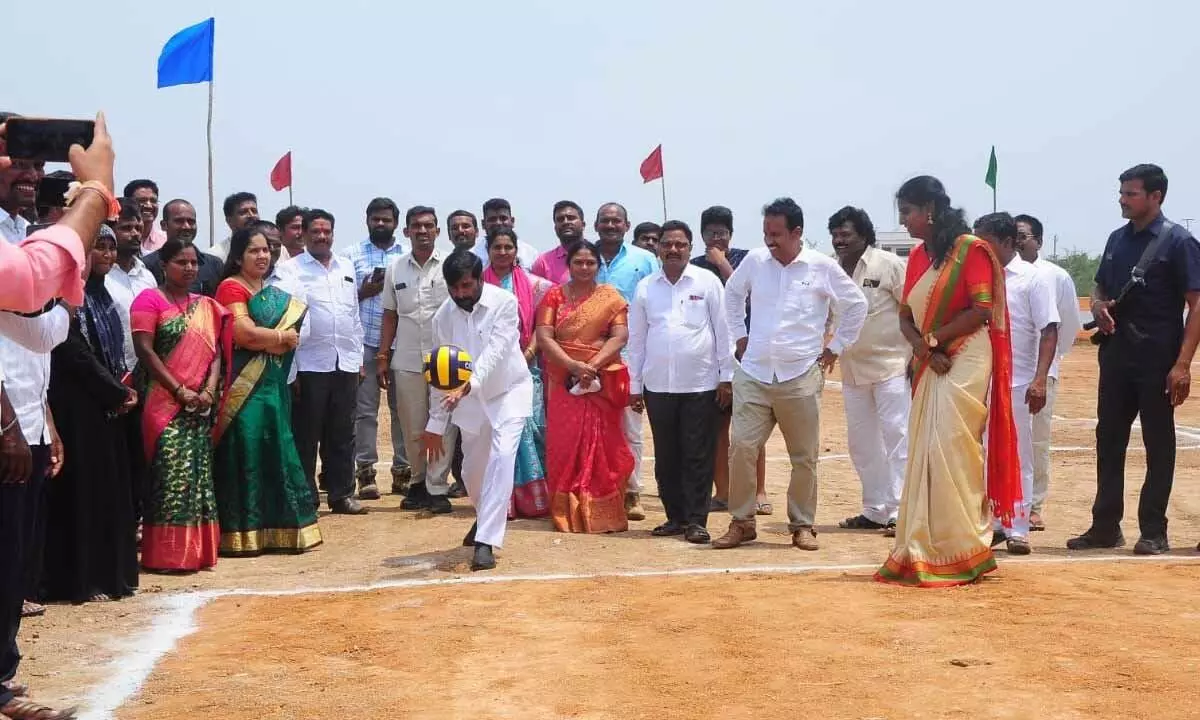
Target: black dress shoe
(457, 490)
(483, 559)
(469, 540)
(998, 537)
(697, 535)
(1094, 541)
(1151, 545)
(668, 529)
(440, 505)
(347, 506)
(417, 499)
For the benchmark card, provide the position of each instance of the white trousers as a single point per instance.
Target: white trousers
(1041, 447)
(1024, 423)
(631, 423)
(489, 467)
(877, 434)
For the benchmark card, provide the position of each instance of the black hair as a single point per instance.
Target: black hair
(999, 224)
(858, 219)
(624, 212)
(1035, 225)
(285, 216)
(646, 227)
(670, 225)
(717, 215)
(561, 204)
(238, 242)
(317, 214)
(788, 208)
(383, 203)
(129, 210)
(134, 185)
(232, 202)
(166, 209)
(499, 233)
(1152, 176)
(173, 247)
(264, 225)
(416, 211)
(948, 222)
(461, 263)
(579, 246)
(496, 205)
(463, 213)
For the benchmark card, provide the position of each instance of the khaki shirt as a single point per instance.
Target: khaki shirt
(414, 293)
(881, 352)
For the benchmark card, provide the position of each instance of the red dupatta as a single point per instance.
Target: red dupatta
(973, 276)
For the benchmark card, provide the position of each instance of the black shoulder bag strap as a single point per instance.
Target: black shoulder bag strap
(1138, 275)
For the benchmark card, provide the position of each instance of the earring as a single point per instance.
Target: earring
(929, 218)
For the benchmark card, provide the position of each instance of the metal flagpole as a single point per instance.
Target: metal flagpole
(212, 228)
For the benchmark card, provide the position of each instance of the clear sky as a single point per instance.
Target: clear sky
(449, 103)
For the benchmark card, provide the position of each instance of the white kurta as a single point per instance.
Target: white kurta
(493, 413)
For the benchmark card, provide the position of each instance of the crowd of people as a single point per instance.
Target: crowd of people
(166, 405)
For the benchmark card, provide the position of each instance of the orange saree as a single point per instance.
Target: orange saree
(587, 460)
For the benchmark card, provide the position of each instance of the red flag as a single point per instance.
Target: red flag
(281, 174)
(652, 167)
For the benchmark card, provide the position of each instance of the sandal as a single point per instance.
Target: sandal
(763, 508)
(99, 598)
(18, 709)
(1035, 522)
(860, 522)
(31, 609)
(16, 688)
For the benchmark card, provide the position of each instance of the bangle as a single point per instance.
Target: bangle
(4, 430)
(279, 337)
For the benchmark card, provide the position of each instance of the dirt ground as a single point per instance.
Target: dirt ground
(835, 646)
(866, 632)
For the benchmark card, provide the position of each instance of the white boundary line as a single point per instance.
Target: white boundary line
(178, 619)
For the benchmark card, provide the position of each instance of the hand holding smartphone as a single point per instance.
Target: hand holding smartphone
(46, 139)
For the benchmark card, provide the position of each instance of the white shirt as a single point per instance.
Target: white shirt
(501, 387)
(1069, 323)
(124, 288)
(284, 277)
(334, 339)
(221, 249)
(678, 337)
(790, 308)
(1031, 308)
(13, 227)
(526, 253)
(25, 345)
(414, 292)
(881, 352)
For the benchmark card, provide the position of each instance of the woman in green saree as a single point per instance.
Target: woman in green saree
(263, 499)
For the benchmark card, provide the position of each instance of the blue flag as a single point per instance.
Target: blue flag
(187, 57)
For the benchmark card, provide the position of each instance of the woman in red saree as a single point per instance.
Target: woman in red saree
(956, 318)
(180, 338)
(581, 328)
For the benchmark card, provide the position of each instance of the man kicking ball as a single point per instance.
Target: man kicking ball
(489, 410)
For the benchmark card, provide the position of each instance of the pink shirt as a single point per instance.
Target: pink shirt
(48, 265)
(153, 241)
(552, 265)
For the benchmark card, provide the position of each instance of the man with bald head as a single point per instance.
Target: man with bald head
(179, 223)
(623, 265)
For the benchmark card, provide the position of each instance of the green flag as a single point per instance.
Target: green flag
(990, 178)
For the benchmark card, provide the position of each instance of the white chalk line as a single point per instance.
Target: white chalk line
(132, 670)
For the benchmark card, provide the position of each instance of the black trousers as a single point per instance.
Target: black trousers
(14, 503)
(34, 538)
(1132, 384)
(685, 443)
(323, 421)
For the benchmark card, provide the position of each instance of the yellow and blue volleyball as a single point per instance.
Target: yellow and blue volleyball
(447, 367)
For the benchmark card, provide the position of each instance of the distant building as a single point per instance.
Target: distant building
(897, 241)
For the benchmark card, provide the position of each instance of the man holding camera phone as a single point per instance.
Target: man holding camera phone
(371, 259)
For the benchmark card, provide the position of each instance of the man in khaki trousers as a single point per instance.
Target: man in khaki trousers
(783, 360)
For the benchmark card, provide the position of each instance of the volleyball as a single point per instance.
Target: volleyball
(447, 367)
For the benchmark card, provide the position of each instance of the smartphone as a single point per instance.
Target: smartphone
(50, 192)
(127, 379)
(46, 139)
(377, 275)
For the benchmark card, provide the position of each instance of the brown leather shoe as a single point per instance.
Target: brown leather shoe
(633, 507)
(740, 531)
(806, 539)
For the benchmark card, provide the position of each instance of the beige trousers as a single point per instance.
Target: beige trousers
(795, 406)
(412, 402)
